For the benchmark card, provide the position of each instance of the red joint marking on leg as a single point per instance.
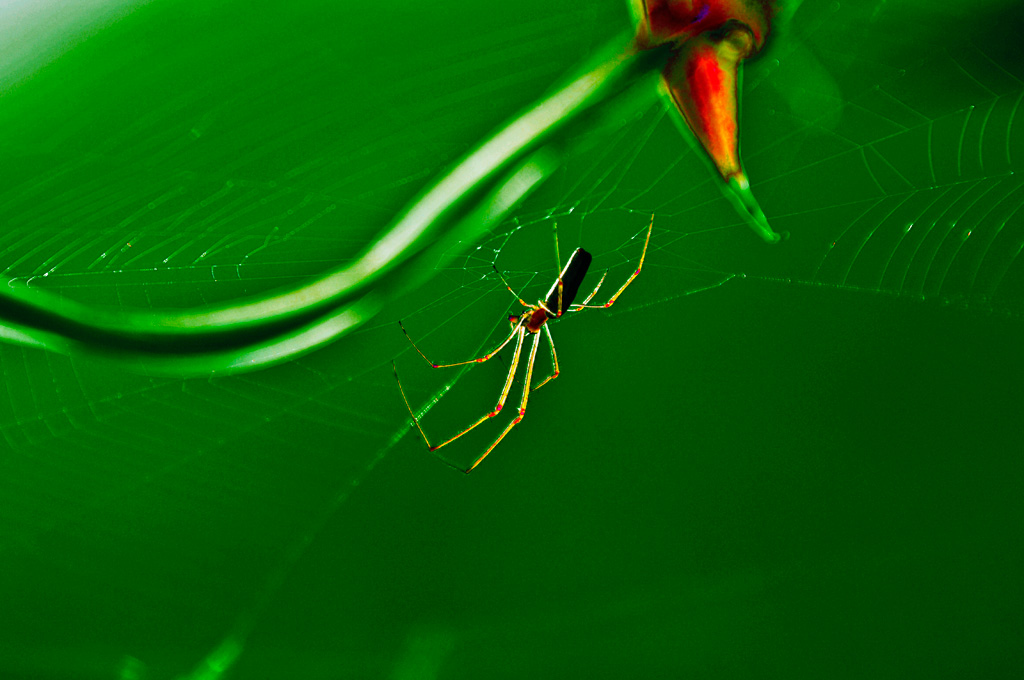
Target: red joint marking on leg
(637, 271)
(522, 412)
(607, 304)
(435, 365)
(498, 409)
(480, 359)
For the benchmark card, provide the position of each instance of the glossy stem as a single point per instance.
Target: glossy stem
(265, 330)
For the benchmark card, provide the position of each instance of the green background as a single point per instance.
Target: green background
(800, 460)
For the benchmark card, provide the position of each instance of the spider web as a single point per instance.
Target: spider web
(890, 175)
(198, 153)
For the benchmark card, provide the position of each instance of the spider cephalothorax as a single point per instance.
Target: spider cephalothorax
(532, 321)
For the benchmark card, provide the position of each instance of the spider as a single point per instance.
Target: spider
(560, 297)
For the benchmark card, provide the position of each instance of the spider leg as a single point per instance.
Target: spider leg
(522, 405)
(554, 362)
(611, 301)
(558, 268)
(478, 360)
(497, 409)
(521, 300)
(583, 305)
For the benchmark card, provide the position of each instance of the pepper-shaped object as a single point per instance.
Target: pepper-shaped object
(710, 39)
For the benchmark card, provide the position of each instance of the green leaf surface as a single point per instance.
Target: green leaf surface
(795, 460)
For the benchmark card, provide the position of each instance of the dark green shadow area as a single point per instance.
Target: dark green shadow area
(797, 460)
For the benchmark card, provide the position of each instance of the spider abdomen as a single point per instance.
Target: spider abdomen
(572, 276)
